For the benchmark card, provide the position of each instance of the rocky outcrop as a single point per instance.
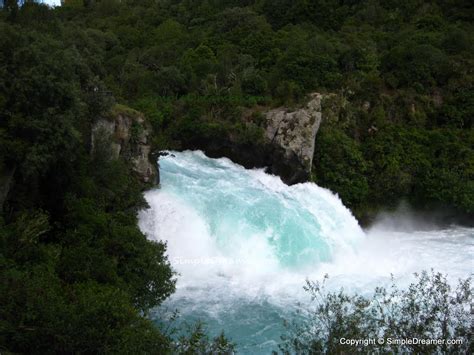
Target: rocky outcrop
(285, 149)
(292, 136)
(125, 134)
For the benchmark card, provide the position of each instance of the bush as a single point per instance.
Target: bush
(428, 309)
(196, 341)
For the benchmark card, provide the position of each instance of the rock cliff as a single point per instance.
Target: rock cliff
(126, 134)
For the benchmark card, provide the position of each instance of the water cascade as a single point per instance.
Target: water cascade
(243, 244)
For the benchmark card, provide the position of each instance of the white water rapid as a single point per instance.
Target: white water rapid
(243, 244)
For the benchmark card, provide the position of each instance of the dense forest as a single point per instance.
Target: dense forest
(77, 274)
(397, 80)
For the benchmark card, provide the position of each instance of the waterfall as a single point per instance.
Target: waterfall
(215, 212)
(243, 244)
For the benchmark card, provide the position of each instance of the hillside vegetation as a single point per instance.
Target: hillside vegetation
(397, 77)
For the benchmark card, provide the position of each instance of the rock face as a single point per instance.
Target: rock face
(125, 134)
(292, 136)
(287, 146)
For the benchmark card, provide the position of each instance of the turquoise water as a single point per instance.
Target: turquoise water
(244, 243)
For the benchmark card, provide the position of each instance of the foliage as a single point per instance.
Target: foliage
(341, 166)
(77, 274)
(430, 169)
(196, 341)
(428, 309)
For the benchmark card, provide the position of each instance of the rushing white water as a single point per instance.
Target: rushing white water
(244, 243)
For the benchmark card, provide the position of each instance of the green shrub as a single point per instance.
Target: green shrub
(427, 309)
